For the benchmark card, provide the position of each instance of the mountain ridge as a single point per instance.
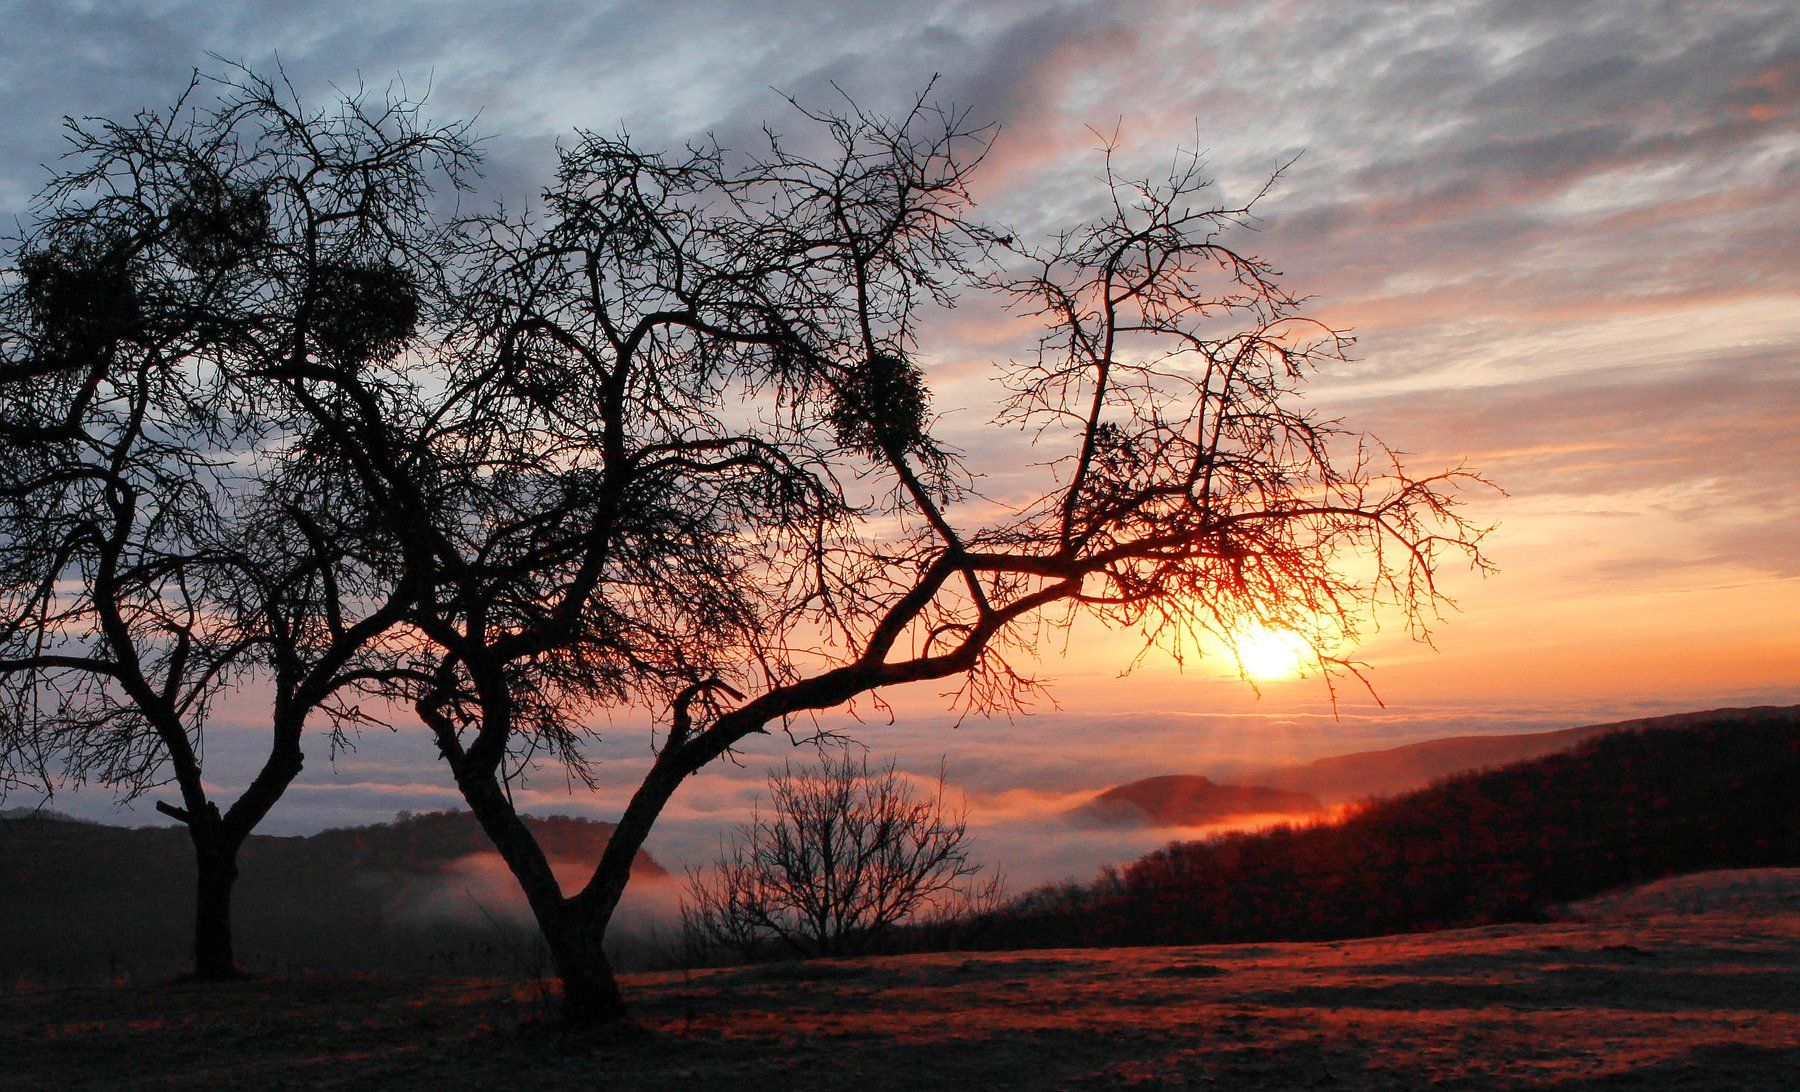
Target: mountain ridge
(1190, 800)
(1361, 775)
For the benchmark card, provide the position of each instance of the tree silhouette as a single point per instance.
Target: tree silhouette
(679, 455)
(845, 855)
(667, 444)
(168, 539)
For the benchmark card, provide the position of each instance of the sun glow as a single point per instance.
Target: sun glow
(1273, 654)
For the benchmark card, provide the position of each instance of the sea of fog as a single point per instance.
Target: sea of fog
(1019, 776)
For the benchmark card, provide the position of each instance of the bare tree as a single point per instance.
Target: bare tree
(167, 536)
(845, 854)
(694, 469)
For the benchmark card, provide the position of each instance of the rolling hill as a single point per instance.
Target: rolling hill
(1189, 800)
(1629, 805)
(85, 899)
(1367, 774)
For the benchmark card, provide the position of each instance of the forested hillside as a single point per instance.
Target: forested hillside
(1501, 845)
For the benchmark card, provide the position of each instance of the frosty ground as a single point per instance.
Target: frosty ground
(1689, 984)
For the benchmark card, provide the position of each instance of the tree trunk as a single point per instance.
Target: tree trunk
(590, 993)
(573, 931)
(213, 959)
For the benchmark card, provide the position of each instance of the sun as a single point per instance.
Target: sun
(1267, 653)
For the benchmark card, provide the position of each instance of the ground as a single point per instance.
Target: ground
(1692, 984)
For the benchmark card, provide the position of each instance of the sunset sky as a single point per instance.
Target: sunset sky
(1565, 236)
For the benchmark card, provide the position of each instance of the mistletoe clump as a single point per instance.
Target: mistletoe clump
(362, 311)
(881, 407)
(214, 226)
(82, 298)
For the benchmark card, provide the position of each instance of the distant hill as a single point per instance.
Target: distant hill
(37, 813)
(80, 898)
(1366, 774)
(1189, 800)
(429, 844)
(1630, 805)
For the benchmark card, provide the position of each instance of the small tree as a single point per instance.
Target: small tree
(845, 855)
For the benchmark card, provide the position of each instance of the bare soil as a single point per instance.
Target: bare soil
(1691, 984)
